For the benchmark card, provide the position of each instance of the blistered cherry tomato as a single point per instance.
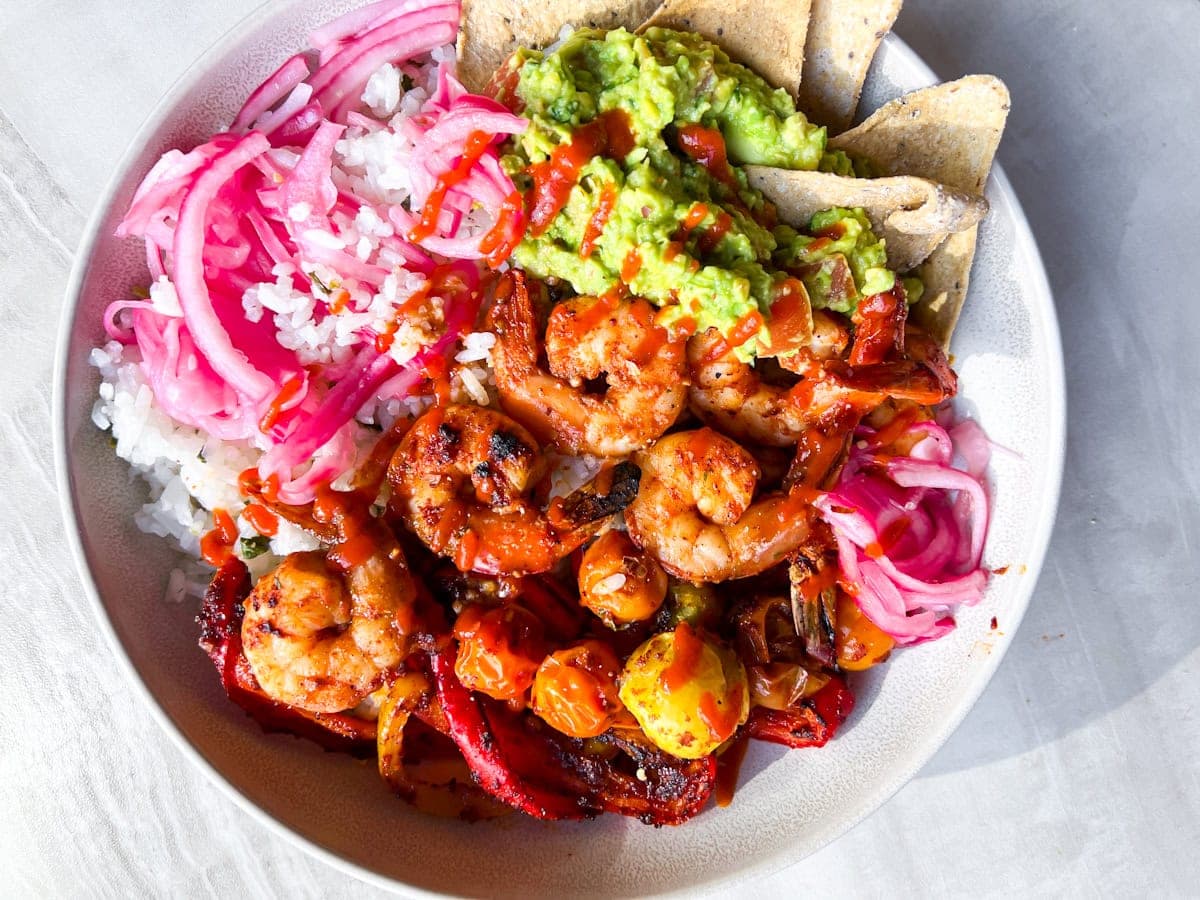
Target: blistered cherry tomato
(619, 582)
(499, 649)
(575, 690)
(860, 643)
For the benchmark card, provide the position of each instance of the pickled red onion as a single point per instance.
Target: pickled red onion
(188, 257)
(911, 529)
(266, 201)
(277, 86)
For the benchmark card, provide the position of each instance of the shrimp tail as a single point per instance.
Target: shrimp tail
(512, 318)
(814, 607)
(594, 502)
(902, 380)
(515, 360)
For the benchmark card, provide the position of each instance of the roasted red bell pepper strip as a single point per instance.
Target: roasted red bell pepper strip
(879, 326)
(494, 773)
(539, 771)
(648, 784)
(560, 614)
(674, 790)
(810, 723)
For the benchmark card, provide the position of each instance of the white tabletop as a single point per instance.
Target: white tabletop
(1076, 774)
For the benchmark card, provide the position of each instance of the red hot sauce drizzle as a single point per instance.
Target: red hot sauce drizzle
(217, 545)
(712, 235)
(729, 766)
(275, 410)
(477, 142)
(707, 147)
(688, 650)
(631, 265)
(745, 328)
(595, 225)
(500, 242)
(608, 134)
(261, 519)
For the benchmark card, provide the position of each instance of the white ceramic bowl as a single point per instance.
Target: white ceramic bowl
(789, 804)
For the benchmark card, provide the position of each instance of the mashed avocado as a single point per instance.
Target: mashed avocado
(835, 233)
(631, 170)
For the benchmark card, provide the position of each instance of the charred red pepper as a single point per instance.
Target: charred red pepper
(810, 723)
(558, 611)
(879, 326)
(494, 773)
(548, 775)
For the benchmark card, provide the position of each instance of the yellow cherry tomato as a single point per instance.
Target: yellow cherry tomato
(860, 643)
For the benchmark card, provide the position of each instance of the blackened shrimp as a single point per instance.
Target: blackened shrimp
(737, 399)
(462, 479)
(322, 630)
(615, 380)
(695, 511)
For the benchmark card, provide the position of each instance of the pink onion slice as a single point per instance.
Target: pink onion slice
(188, 253)
(297, 100)
(919, 473)
(267, 201)
(396, 40)
(277, 86)
(934, 516)
(361, 19)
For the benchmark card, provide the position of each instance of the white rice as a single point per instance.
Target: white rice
(476, 346)
(568, 473)
(189, 473)
(383, 91)
(608, 585)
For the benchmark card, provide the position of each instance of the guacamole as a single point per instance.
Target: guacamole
(839, 237)
(631, 172)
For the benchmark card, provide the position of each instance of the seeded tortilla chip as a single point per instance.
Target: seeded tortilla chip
(493, 29)
(843, 36)
(948, 134)
(766, 35)
(913, 215)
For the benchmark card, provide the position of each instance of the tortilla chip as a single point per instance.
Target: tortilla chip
(945, 275)
(493, 29)
(766, 35)
(913, 215)
(843, 36)
(949, 134)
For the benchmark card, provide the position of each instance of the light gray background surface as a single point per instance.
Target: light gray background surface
(1077, 773)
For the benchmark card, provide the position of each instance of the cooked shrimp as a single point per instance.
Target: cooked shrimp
(587, 339)
(461, 479)
(733, 396)
(321, 641)
(695, 510)
(737, 399)
(830, 335)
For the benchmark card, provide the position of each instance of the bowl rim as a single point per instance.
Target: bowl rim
(761, 866)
